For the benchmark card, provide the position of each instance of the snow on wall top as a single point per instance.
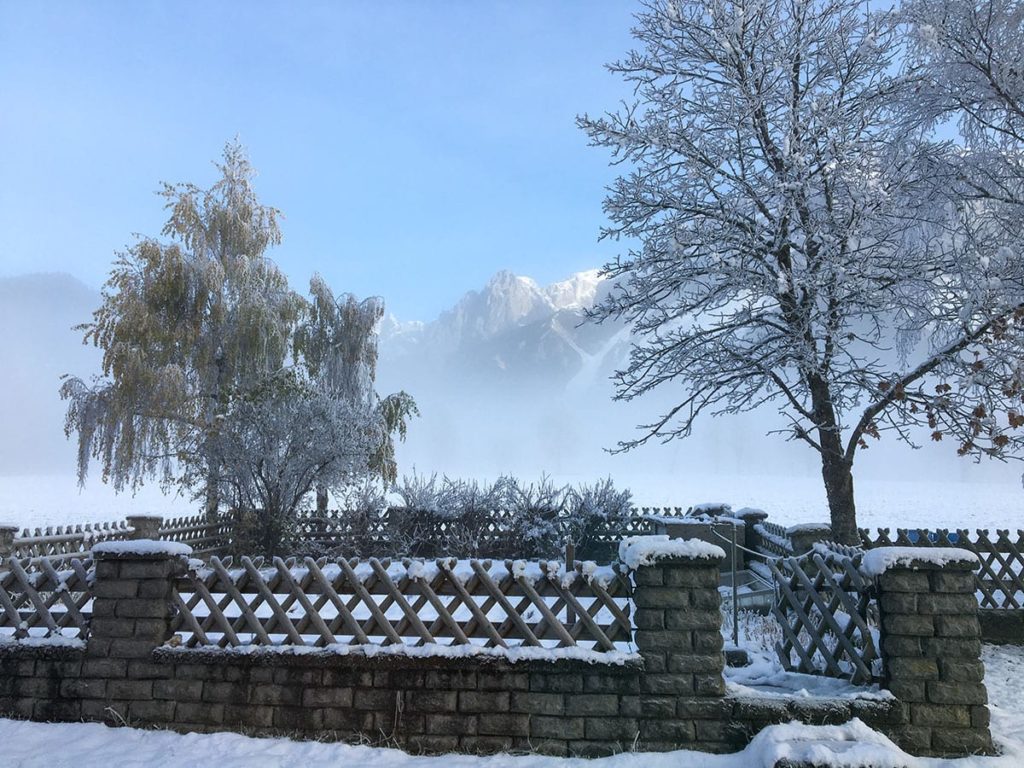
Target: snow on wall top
(878, 561)
(428, 650)
(809, 528)
(142, 547)
(635, 551)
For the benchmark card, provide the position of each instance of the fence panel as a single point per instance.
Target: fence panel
(1000, 577)
(375, 602)
(38, 600)
(826, 615)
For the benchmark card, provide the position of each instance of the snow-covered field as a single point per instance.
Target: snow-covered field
(56, 500)
(38, 745)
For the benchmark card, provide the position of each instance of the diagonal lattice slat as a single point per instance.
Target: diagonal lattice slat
(44, 601)
(999, 580)
(825, 612)
(380, 602)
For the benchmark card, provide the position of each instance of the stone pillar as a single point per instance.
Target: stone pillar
(931, 649)
(750, 518)
(131, 617)
(678, 633)
(804, 537)
(7, 534)
(145, 526)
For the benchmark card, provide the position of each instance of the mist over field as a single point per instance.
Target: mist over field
(509, 380)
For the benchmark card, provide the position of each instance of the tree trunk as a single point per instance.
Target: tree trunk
(321, 500)
(212, 503)
(836, 471)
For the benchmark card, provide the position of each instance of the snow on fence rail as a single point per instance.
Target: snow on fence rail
(826, 612)
(65, 542)
(409, 603)
(39, 601)
(1000, 576)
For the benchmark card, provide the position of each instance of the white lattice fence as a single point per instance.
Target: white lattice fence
(38, 600)
(373, 602)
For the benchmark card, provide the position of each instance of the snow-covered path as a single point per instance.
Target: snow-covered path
(88, 745)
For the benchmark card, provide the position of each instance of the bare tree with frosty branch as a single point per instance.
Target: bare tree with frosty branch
(801, 240)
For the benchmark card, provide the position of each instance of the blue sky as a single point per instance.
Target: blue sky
(415, 148)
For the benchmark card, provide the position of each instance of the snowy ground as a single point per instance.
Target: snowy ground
(56, 500)
(37, 745)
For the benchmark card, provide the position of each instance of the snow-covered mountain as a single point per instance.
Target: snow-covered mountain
(512, 332)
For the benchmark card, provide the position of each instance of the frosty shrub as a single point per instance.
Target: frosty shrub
(593, 510)
(441, 516)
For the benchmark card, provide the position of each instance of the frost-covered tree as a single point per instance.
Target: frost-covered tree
(221, 380)
(337, 344)
(183, 324)
(798, 244)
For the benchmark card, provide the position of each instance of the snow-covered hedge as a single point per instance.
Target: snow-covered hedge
(508, 518)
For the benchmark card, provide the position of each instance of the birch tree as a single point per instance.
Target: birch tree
(798, 242)
(219, 379)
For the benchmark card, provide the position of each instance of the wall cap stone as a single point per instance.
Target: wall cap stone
(881, 559)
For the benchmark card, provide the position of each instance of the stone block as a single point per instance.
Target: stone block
(56, 711)
(948, 604)
(956, 693)
(592, 704)
(957, 626)
(709, 685)
(347, 720)
(658, 707)
(503, 681)
(151, 608)
(902, 646)
(908, 690)
(898, 602)
(557, 727)
(706, 600)
(226, 693)
(375, 699)
(503, 725)
(431, 701)
(550, 747)
(672, 731)
(667, 684)
(648, 640)
(689, 663)
(707, 642)
(199, 712)
(908, 625)
(950, 647)
(298, 718)
(661, 597)
(704, 708)
(304, 677)
(952, 582)
(649, 618)
(622, 728)
(956, 742)
(943, 715)
(108, 590)
(452, 679)
(914, 739)
(606, 682)
(451, 725)
(132, 690)
(83, 689)
(152, 711)
(538, 703)
(130, 648)
(550, 682)
(980, 716)
(147, 670)
(648, 576)
(693, 576)
(484, 701)
(694, 619)
(909, 668)
(897, 580)
(178, 690)
(154, 588)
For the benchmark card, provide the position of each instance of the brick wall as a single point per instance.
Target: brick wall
(673, 697)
